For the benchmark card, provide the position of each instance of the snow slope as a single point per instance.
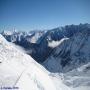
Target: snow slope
(19, 70)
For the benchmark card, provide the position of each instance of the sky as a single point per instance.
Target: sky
(42, 14)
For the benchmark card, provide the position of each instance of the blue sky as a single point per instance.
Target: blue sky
(42, 14)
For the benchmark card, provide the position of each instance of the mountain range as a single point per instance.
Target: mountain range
(57, 59)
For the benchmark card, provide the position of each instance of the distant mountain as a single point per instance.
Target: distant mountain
(71, 53)
(37, 43)
(63, 51)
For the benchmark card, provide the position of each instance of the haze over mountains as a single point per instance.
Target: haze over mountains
(63, 52)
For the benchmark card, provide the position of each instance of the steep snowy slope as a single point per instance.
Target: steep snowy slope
(19, 70)
(70, 54)
(14, 64)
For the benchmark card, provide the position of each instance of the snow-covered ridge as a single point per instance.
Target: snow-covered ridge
(18, 69)
(69, 55)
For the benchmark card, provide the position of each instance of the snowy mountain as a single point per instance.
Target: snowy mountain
(36, 43)
(18, 36)
(14, 64)
(71, 53)
(70, 61)
(63, 51)
(19, 70)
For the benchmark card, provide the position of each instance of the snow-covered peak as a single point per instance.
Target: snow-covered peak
(9, 32)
